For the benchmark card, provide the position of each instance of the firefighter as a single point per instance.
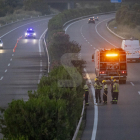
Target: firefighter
(105, 92)
(98, 87)
(115, 91)
(86, 94)
(111, 85)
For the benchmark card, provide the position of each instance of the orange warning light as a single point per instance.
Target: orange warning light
(111, 55)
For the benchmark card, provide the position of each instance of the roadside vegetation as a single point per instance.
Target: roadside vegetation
(127, 21)
(53, 111)
(13, 10)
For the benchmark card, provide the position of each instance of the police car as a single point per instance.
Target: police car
(1, 44)
(30, 33)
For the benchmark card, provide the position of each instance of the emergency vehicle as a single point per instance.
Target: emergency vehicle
(110, 62)
(132, 49)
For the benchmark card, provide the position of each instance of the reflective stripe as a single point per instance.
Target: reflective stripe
(85, 87)
(96, 86)
(105, 87)
(115, 87)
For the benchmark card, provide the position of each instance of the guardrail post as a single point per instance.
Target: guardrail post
(69, 6)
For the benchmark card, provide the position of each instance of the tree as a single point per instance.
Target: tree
(37, 5)
(14, 3)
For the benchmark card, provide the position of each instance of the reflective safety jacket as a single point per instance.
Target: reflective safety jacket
(105, 87)
(85, 88)
(98, 85)
(115, 87)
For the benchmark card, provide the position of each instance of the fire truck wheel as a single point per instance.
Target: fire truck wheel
(122, 81)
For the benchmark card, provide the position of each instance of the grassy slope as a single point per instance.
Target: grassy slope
(124, 30)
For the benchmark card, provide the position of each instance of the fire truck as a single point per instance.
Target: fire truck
(110, 62)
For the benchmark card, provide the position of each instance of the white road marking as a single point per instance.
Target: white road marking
(132, 84)
(139, 92)
(12, 54)
(73, 23)
(95, 109)
(1, 78)
(6, 70)
(40, 64)
(90, 45)
(101, 36)
(8, 64)
(11, 59)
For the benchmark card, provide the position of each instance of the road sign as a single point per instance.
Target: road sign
(116, 1)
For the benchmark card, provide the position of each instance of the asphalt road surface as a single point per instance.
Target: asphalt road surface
(21, 67)
(114, 122)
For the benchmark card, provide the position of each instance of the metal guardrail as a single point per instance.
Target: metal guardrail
(112, 31)
(79, 124)
(68, 22)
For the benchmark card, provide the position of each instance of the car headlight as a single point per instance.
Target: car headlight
(25, 33)
(1, 45)
(34, 34)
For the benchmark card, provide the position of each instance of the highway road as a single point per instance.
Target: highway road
(21, 69)
(109, 122)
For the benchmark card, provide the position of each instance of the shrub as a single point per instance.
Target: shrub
(37, 119)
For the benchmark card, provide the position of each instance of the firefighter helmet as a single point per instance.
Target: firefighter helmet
(96, 79)
(104, 81)
(112, 77)
(114, 80)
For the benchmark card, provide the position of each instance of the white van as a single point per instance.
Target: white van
(132, 49)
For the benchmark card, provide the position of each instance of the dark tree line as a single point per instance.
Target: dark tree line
(8, 6)
(129, 15)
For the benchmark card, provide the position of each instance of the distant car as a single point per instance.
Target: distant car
(1, 44)
(91, 20)
(96, 18)
(30, 33)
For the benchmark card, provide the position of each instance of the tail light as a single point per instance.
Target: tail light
(102, 72)
(123, 72)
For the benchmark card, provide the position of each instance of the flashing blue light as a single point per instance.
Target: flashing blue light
(30, 29)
